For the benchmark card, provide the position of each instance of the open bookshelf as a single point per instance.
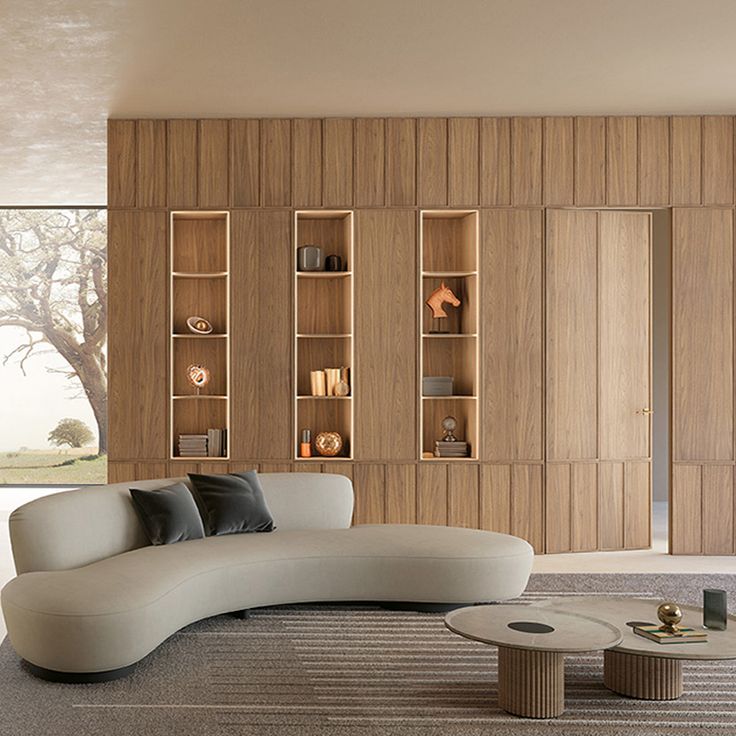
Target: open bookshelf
(323, 329)
(199, 287)
(449, 346)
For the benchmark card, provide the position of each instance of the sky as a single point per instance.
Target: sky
(33, 404)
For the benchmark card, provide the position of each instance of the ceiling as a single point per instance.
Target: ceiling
(67, 65)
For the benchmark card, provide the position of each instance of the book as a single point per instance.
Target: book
(684, 635)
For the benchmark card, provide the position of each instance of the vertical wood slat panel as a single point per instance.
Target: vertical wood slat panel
(637, 506)
(527, 504)
(123, 472)
(385, 287)
(590, 161)
(243, 467)
(337, 162)
(275, 162)
(495, 162)
(611, 505)
(181, 164)
(275, 467)
(370, 162)
(370, 491)
(495, 498)
(526, 161)
(180, 469)
(624, 337)
(718, 159)
(702, 335)
(558, 509)
(306, 162)
(245, 163)
(686, 147)
(559, 161)
(584, 503)
(138, 390)
(511, 263)
(462, 161)
(261, 336)
(654, 161)
(571, 335)
(622, 157)
(686, 503)
(214, 159)
(121, 163)
(432, 493)
(151, 163)
(151, 471)
(431, 162)
(718, 510)
(401, 162)
(345, 469)
(463, 502)
(401, 493)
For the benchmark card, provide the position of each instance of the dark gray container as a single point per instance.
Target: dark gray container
(309, 258)
(437, 386)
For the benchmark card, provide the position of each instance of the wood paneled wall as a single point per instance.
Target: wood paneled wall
(386, 169)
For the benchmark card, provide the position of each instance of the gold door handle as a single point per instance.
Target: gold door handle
(647, 410)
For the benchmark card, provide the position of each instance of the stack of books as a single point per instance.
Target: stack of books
(192, 445)
(451, 449)
(683, 635)
(216, 443)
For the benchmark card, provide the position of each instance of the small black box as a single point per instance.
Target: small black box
(715, 612)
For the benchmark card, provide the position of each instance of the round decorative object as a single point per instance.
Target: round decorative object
(449, 425)
(198, 376)
(342, 388)
(199, 325)
(328, 444)
(670, 615)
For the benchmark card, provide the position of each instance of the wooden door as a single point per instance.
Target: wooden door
(598, 380)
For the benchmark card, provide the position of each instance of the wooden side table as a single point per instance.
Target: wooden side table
(532, 643)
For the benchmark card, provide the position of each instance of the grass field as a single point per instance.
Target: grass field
(62, 467)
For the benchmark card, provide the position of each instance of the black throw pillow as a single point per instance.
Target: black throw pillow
(232, 504)
(168, 514)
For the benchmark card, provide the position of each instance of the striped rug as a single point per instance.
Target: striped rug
(360, 671)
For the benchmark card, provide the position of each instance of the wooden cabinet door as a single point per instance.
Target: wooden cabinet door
(598, 357)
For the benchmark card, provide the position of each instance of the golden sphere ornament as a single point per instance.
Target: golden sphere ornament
(328, 444)
(670, 615)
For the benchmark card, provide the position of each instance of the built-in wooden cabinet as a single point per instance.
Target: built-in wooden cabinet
(200, 288)
(324, 325)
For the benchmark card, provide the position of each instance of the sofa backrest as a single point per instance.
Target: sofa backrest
(75, 528)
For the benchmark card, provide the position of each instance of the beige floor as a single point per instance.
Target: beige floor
(650, 560)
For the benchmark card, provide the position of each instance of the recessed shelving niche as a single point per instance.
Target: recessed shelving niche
(323, 320)
(449, 347)
(199, 286)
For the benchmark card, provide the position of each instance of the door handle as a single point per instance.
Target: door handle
(646, 410)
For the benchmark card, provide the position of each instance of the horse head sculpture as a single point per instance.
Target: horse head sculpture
(440, 296)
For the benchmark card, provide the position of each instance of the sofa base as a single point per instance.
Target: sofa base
(422, 607)
(77, 677)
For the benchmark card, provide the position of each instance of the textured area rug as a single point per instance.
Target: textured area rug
(360, 671)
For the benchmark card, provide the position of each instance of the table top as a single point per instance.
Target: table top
(621, 612)
(531, 627)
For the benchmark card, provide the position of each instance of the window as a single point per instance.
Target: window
(53, 337)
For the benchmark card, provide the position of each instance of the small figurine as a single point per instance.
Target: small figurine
(198, 376)
(440, 296)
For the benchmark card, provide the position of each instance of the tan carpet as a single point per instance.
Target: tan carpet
(359, 671)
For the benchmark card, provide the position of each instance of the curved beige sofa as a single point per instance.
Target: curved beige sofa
(92, 597)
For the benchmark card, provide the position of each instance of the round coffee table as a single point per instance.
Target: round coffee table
(639, 667)
(532, 643)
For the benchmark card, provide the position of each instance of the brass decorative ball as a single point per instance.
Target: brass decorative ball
(670, 615)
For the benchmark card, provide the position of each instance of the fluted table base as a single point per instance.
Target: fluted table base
(641, 676)
(531, 683)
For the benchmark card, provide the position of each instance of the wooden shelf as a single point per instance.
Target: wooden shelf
(199, 285)
(205, 459)
(193, 336)
(324, 322)
(182, 397)
(449, 253)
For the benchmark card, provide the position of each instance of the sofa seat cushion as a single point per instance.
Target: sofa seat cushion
(113, 612)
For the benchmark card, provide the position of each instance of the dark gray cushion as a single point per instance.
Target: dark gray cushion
(232, 503)
(168, 514)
